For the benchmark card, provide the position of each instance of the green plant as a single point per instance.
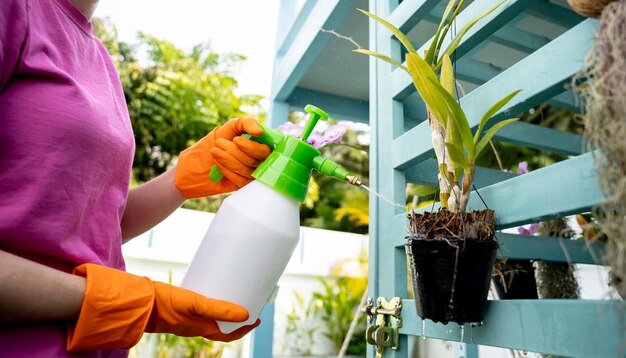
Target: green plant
(337, 304)
(174, 97)
(301, 326)
(456, 148)
(169, 345)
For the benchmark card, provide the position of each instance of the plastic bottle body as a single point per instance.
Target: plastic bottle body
(246, 249)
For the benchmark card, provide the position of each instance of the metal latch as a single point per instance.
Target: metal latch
(383, 333)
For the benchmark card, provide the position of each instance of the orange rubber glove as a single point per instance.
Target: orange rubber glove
(118, 307)
(236, 157)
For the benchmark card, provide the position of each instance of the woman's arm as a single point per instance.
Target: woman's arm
(237, 157)
(33, 292)
(149, 203)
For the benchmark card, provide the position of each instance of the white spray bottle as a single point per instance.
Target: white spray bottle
(255, 231)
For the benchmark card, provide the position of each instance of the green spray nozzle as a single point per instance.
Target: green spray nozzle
(328, 167)
(288, 168)
(315, 115)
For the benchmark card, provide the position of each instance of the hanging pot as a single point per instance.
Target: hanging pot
(450, 277)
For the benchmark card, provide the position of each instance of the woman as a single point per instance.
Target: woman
(66, 149)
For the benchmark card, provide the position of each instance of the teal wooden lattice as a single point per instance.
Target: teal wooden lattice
(577, 328)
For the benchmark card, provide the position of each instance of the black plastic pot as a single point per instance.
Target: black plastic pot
(451, 284)
(523, 284)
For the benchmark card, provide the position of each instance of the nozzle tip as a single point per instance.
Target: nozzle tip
(353, 180)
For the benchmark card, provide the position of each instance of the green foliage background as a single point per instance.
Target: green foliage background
(175, 98)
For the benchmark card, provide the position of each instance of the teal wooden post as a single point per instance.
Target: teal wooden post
(464, 350)
(261, 340)
(278, 114)
(387, 263)
(568, 187)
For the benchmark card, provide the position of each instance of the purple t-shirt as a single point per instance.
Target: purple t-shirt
(66, 150)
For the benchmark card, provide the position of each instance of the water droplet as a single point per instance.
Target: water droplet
(423, 329)
(396, 205)
(525, 352)
(462, 331)
(453, 286)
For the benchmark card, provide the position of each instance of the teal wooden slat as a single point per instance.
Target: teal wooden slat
(426, 173)
(410, 12)
(538, 75)
(550, 249)
(508, 36)
(401, 82)
(564, 188)
(542, 138)
(476, 72)
(336, 106)
(572, 328)
(307, 45)
(566, 100)
(555, 14)
(514, 38)
(303, 15)
(287, 15)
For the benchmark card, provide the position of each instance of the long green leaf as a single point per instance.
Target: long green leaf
(382, 57)
(457, 40)
(457, 118)
(491, 111)
(491, 132)
(432, 49)
(453, 133)
(457, 8)
(397, 33)
(423, 76)
(453, 137)
(457, 156)
(446, 77)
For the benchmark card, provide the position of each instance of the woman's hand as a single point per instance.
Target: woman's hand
(236, 157)
(119, 307)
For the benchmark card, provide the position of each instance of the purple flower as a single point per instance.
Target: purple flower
(522, 168)
(333, 134)
(291, 129)
(527, 230)
(315, 139)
